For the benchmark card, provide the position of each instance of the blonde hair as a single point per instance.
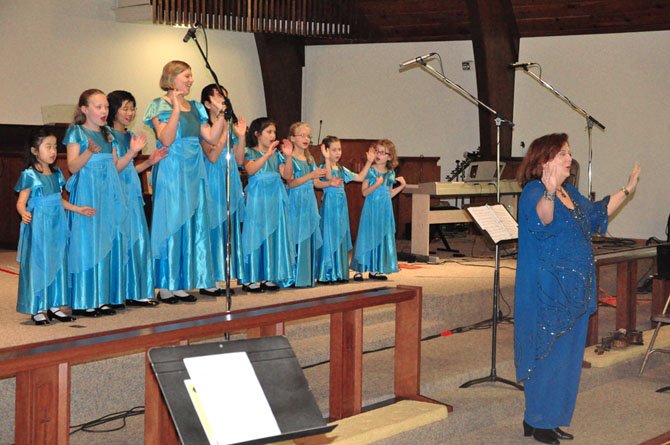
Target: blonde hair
(80, 118)
(292, 132)
(170, 71)
(392, 161)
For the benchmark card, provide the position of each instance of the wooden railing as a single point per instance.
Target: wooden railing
(42, 370)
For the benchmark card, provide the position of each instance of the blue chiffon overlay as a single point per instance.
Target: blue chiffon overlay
(555, 294)
(268, 252)
(181, 223)
(217, 174)
(304, 227)
(375, 244)
(139, 267)
(42, 244)
(333, 264)
(97, 247)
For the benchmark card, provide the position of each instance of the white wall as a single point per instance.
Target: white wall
(621, 79)
(52, 51)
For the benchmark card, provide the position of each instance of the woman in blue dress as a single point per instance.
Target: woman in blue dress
(217, 174)
(333, 265)
(43, 235)
(97, 247)
(375, 243)
(266, 248)
(303, 212)
(555, 283)
(139, 289)
(181, 223)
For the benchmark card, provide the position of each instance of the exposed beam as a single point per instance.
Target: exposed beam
(282, 59)
(495, 40)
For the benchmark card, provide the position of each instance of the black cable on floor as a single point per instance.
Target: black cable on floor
(121, 415)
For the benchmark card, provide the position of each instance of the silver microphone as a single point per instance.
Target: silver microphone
(522, 64)
(417, 59)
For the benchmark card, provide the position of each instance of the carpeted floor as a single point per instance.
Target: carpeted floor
(614, 405)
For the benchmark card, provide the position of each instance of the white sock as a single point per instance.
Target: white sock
(212, 289)
(39, 317)
(270, 283)
(180, 293)
(254, 285)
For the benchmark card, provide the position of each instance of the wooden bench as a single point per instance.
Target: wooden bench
(42, 370)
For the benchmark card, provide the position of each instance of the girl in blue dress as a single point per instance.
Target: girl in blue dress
(97, 247)
(217, 174)
(375, 244)
(181, 223)
(139, 288)
(266, 248)
(303, 212)
(43, 236)
(333, 266)
(555, 283)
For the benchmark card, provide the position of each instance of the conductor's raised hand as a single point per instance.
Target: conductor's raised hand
(634, 178)
(551, 177)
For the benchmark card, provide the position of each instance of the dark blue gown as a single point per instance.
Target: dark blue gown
(555, 294)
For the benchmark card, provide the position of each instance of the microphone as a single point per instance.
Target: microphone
(191, 32)
(417, 59)
(521, 64)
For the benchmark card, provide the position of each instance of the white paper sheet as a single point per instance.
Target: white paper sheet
(231, 397)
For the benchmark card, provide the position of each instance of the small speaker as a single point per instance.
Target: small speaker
(663, 261)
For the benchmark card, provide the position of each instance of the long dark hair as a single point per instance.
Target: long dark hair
(541, 151)
(116, 100)
(258, 125)
(207, 93)
(34, 140)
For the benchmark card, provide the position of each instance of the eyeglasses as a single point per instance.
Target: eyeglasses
(306, 136)
(382, 153)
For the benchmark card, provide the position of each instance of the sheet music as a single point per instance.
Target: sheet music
(496, 221)
(231, 398)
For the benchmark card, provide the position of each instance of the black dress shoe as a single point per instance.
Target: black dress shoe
(145, 303)
(209, 293)
(358, 276)
(378, 276)
(60, 317)
(341, 281)
(87, 313)
(39, 321)
(106, 309)
(563, 435)
(254, 290)
(540, 434)
(272, 287)
(187, 298)
(169, 300)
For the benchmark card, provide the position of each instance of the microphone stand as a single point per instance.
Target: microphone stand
(230, 117)
(492, 377)
(590, 120)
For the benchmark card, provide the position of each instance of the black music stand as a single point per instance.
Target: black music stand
(277, 370)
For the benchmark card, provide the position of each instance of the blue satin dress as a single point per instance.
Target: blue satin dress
(139, 267)
(181, 224)
(304, 227)
(334, 261)
(555, 294)
(217, 176)
(97, 247)
(42, 244)
(268, 252)
(375, 244)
